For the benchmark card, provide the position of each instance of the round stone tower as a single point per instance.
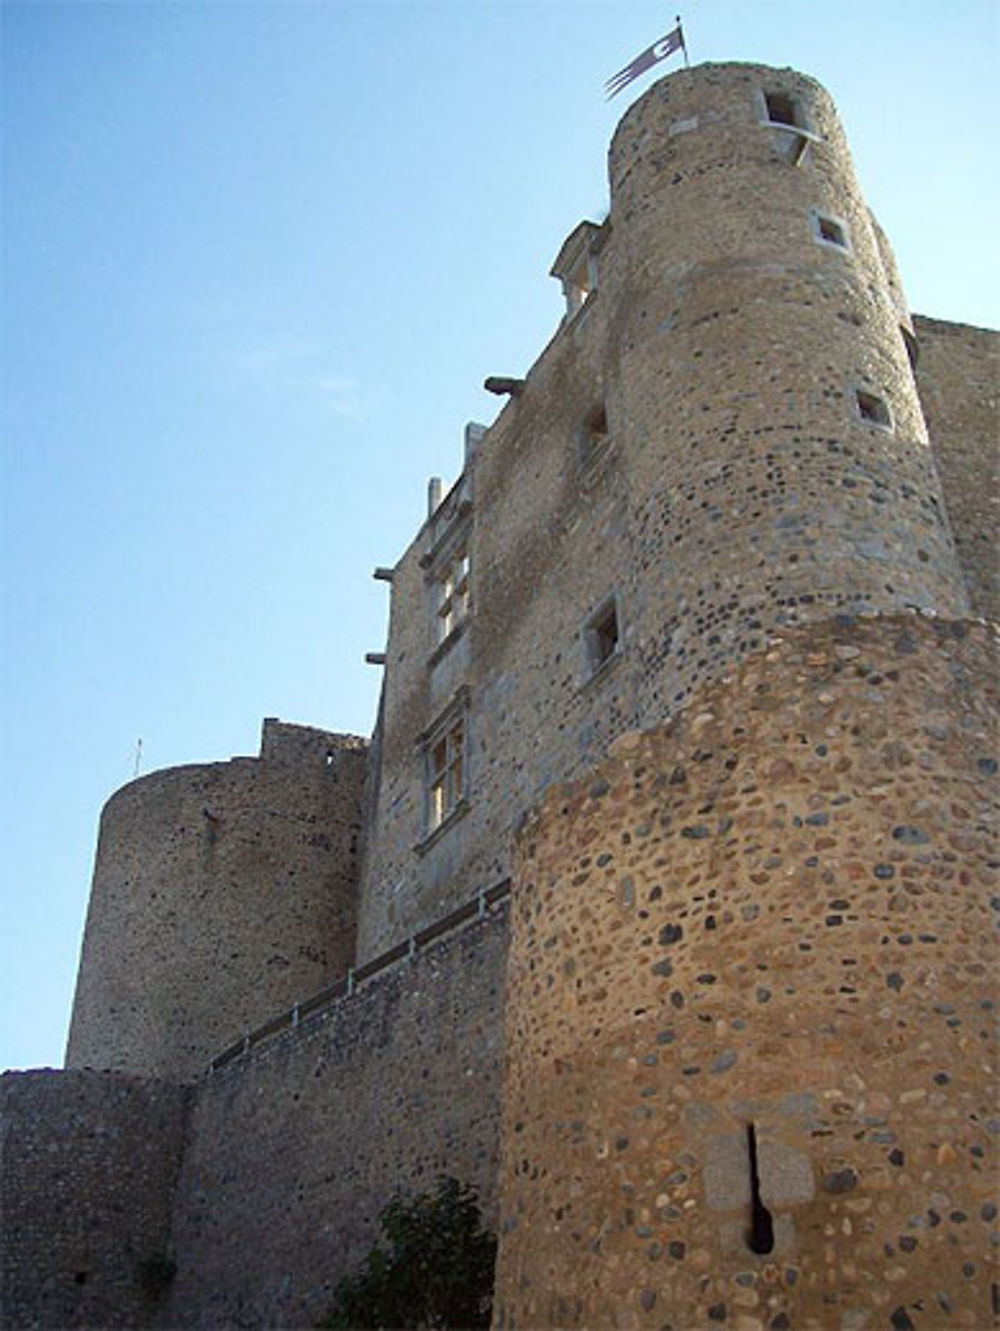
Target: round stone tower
(750, 1002)
(222, 894)
(756, 340)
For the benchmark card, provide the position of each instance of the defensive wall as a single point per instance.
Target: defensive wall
(701, 597)
(88, 1163)
(262, 1182)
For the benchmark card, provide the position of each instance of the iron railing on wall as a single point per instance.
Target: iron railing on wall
(475, 909)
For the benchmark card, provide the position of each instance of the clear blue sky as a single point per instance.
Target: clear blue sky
(258, 259)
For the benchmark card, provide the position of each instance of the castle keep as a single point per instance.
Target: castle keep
(662, 903)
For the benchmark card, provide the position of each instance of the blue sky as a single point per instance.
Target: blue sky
(257, 261)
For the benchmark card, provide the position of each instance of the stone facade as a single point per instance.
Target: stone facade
(701, 599)
(733, 487)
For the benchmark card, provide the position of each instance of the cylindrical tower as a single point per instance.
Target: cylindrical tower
(222, 894)
(749, 997)
(751, 1005)
(775, 453)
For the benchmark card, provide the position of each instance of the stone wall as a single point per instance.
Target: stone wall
(88, 1162)
(778, 910)
(221, 894)
(958, 375)
(690, 445)
(295, 1148)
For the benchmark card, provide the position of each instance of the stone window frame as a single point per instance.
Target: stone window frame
(450, 590)
(597, 658)
(444, 757)
(872, 409)
(797, 133)
(450, 598)
(592, 435)
(820, 219)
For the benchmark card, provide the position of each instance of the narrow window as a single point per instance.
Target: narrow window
(873, 410)
(592, 433)
(602, 635)
(760, 1235)
(445, 773)
(912, 346)
(782, 109)
(452, 594)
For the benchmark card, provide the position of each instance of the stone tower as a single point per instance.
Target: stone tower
(222, 892)
(749, 982)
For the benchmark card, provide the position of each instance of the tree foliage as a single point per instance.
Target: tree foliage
(436, 1270)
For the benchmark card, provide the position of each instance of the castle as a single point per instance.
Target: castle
(659, 905)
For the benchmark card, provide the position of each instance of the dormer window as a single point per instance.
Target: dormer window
(576, 264)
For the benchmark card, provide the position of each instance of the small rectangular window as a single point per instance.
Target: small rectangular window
(873, 410)
(782, 109)
(592, 433)
(602, 635)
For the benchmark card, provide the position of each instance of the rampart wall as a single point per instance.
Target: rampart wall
(221, 894)
(88, 1163)
(294, 1149)
(779, 909)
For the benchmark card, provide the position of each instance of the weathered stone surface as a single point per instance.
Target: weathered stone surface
(877, 1032)
(88, 1163)
(222, 893)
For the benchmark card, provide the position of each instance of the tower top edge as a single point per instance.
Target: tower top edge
(730, 71)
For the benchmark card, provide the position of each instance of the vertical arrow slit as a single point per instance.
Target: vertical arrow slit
(760, 1236)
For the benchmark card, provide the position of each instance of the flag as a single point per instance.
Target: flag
(674, 41)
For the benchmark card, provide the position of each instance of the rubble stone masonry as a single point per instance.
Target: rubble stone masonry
(777, 910)
(222, 893)
(88, 1162)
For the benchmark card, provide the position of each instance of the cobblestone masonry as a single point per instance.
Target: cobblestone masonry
(222, 893)
(87, 1168)
(736, 488)
(958, 375)
(294, 1150)
(778, 909)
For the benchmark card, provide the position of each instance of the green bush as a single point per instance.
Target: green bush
(436, 1270)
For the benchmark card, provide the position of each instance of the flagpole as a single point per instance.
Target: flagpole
(680, 29)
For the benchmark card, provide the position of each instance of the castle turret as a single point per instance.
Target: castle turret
(222, 894)
(749, 979)
(776, 456)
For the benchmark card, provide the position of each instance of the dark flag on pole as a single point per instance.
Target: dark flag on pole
(674, 41)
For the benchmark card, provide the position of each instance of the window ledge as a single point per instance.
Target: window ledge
(594, 460)
(603, 670)
(457, 814)
(446, 644)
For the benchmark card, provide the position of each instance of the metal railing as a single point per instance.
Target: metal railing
(476, 909)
